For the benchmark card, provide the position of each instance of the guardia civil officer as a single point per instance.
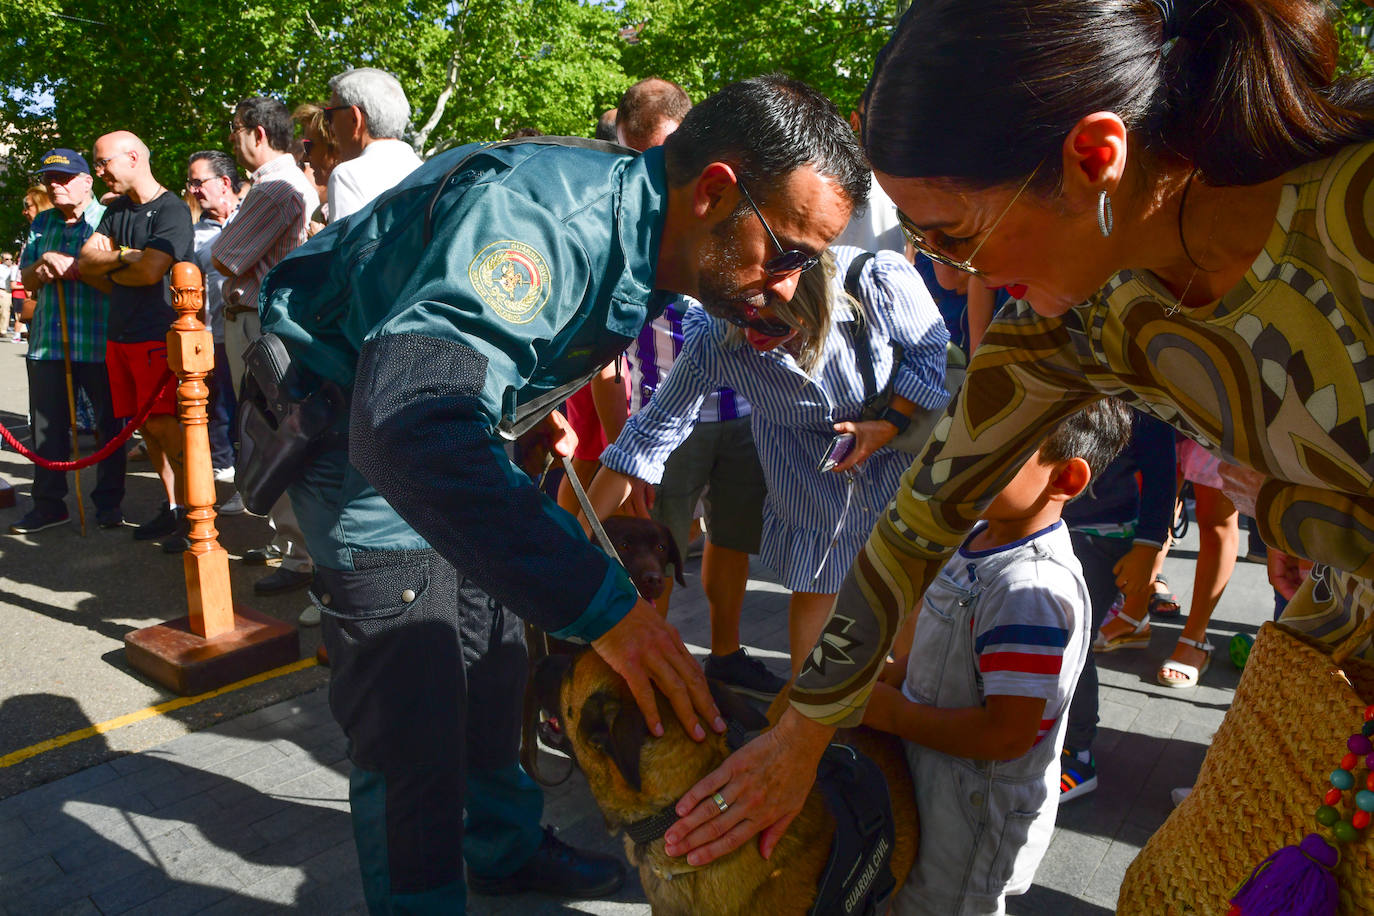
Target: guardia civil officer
(454, 311)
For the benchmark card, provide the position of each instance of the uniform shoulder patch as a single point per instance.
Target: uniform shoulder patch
(512, 278)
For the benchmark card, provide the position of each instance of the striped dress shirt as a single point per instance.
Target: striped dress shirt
(793, 417)
(270, 224)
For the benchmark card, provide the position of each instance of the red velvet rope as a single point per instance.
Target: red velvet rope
(109, 448)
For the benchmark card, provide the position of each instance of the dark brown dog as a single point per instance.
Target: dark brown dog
(646, 548)
(634, 777)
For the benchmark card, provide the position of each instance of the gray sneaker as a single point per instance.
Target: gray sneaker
(745, 675)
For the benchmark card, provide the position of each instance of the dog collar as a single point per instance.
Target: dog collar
(653, 827)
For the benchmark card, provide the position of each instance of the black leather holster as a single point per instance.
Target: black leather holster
(279, 429)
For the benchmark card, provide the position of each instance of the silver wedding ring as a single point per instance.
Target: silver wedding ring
(720, 802)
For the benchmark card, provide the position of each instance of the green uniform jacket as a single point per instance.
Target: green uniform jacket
(458, 308)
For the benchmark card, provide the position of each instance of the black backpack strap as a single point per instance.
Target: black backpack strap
(863, 353)
(858, 878)
(574, 142)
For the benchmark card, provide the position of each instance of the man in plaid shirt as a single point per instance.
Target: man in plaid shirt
(49, 262)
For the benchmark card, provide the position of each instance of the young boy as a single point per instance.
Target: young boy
(1000, 640)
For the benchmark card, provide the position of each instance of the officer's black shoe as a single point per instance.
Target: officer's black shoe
(557, 869)
(283, 580)
(160, 525)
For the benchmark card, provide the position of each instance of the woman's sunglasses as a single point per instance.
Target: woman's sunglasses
(749, 318)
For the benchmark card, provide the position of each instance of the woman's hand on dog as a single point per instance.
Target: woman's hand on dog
(764, 785)
(647, 652)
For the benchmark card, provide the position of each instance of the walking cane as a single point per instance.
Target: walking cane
(71, 400)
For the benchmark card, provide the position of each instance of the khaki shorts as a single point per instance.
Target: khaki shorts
(718, 459)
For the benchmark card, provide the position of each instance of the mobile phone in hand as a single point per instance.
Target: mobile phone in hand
(836, 452)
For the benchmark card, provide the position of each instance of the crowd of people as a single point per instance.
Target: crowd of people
(754, 314)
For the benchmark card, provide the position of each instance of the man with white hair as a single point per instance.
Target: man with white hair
(367, 113)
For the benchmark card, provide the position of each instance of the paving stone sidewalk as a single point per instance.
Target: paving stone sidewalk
(251, 816)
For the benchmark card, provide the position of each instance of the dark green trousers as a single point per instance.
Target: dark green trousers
(428, 673)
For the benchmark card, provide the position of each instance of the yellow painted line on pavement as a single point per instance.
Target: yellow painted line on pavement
(110, 725)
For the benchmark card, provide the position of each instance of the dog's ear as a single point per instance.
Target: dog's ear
(674, 555)
(617, 729)
(548, 682)
(734, 706)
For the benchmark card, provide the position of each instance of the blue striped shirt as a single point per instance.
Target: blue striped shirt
(794, 415)
(653, 354)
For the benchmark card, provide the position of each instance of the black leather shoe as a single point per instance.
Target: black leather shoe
(283, 580)
(557, 869)
(110, 518)
(261, 556)
(160, 525)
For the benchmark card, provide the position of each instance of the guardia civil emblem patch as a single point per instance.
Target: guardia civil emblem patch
(512, 278)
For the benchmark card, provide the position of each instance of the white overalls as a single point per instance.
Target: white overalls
(985, 825)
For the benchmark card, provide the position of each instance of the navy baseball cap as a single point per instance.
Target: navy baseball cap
(67, 161)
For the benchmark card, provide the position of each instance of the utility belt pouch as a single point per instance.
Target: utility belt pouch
(279, 431)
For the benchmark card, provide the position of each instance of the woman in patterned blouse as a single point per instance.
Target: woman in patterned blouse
(1179, 194)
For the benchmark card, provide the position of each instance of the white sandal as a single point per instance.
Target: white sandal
(1191, 674)
(1137, 638)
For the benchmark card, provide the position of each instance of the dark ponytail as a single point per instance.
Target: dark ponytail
(981, 91)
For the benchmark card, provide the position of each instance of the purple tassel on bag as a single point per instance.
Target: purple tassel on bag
(1295, 881)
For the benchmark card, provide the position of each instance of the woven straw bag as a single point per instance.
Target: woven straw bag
(1262, 781)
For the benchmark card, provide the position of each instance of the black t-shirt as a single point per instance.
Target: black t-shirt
(142, 313)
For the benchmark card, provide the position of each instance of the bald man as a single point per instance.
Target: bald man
(142, 234)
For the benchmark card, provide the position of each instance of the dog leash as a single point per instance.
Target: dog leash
(586, 504)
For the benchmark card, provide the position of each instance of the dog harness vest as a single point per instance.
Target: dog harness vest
(858, 878)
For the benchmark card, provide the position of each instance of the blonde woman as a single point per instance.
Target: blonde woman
(799, 365)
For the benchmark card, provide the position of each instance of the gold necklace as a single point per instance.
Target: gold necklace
(1171, 310)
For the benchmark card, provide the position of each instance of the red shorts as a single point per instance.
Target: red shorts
(135, 370)
(581, 413)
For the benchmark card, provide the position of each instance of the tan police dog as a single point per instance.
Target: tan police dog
(634, 777)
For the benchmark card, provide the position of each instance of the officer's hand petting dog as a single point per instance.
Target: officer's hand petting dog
(647, 652)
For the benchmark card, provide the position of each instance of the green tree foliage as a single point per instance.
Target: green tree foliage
(172, 70)
(1355, 27)
(704, 44)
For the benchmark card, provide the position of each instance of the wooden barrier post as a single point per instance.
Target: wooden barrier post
(218, 642)
(191, 354)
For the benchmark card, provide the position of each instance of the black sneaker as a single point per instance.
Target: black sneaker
(1076, 777)
(557, 869)
(38, 519)
(746, 675)
(179, 541)
(160, 525)
(110, 518)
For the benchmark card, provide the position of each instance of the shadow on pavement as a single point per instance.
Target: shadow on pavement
(260, 828)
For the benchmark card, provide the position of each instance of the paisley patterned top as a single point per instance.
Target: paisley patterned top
(1278, 375)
